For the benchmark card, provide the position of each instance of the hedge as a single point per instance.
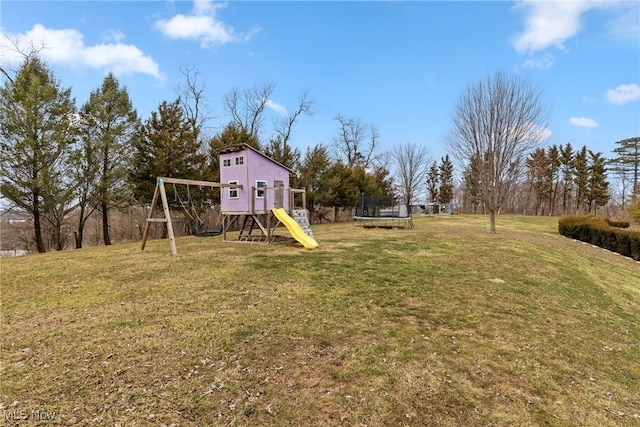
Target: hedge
(599, 232)
(618, 224)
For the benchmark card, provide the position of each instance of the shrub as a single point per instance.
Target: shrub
(634, 210)
(599, 232)
(618, 224)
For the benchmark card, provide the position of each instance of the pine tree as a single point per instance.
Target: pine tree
(538, 165)
(628, 159)
(284, 154)
(598, 186)
(312, 171)
(432, 182)
(553, 154)
(165, 147)
(566, 172)
(580, 170)
(471, 187)
(36, 132)
(109, 123)
(445, 175)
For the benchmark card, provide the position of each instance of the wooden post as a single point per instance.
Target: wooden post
(267, 213)
(167, 215)
(147, 224)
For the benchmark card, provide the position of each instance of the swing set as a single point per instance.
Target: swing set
(189, 208)
(191, 212)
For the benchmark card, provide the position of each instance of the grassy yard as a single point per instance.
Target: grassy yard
(444, 324)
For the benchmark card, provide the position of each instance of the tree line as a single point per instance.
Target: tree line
(62, 163)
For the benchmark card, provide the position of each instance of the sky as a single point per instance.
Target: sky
(398, 65)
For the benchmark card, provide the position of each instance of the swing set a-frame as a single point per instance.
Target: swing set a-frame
(161, 193)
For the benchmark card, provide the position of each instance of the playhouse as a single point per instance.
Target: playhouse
(263, 181)
(255, 199)
(264, 199)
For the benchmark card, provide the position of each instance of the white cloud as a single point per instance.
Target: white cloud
(67, 47)
(201, 25)
(278, 108)
(583, 122)
(623, 94)
(551, 23)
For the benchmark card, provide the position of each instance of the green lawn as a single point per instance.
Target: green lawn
(444, 324)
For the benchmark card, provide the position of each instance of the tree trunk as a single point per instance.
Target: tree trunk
(38, 230)
(105, 224)
(492, 221)
(79, 235)
(58, 236)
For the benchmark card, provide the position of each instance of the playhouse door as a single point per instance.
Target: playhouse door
(278, 194)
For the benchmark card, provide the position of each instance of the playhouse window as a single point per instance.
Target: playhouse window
(239, 161)
(260, 185)
(233, 192)
(226, 163)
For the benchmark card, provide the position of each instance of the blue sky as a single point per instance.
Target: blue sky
(398, 65)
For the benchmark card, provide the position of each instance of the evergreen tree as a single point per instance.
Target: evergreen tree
(341, 184)
(282, 153)
(432, 182)
(539, 166)
(445, 175)
(471, 188)
(84, 172)
(580, 166)
(36, 132)
(566, 172)
(165, 147)
(553, 155)
(598, 186)
(109, 123)
(312, 171)
(628, 160)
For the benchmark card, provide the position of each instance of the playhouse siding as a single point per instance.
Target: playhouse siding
(254, 167)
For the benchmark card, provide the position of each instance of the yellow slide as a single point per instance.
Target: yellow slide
(294, 228)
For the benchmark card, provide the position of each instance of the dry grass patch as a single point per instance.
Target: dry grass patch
(439, 325)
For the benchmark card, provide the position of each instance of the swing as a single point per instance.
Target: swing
(192, 212)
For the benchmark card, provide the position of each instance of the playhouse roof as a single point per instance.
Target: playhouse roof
(242, 147)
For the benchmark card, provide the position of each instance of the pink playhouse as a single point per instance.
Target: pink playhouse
(263, 199)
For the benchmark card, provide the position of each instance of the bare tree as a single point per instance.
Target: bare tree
(246, 107)
(284, 126)
(497, 123)
(278, 147)
(13, 45)
(412, 164)
(356, 142)
(193, 101)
